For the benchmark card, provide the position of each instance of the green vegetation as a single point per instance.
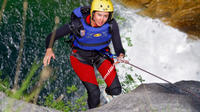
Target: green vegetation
(59, 104)
(4, 84)
(130, 83)
(79, 105)
(120, 18)
(129, 41)
(139, 77)
(72, 89)
(101, 82)
(20, 92)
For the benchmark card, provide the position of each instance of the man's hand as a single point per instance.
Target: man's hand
(120, 58)
(47, 58)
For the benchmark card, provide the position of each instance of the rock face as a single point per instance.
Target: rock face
(12, 105)
(157, 97)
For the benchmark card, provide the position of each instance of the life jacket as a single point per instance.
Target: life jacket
(91, 38)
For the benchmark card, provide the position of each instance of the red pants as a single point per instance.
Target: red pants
(83, 63)
(86, 72)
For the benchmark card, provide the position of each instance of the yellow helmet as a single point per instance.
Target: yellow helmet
(102, 5)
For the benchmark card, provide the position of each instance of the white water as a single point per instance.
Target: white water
(157, 48)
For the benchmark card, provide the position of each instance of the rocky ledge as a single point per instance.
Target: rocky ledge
(183, 96)
(12, 105)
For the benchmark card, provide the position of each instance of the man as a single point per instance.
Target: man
(92, 29)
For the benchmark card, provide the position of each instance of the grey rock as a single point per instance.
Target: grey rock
(12, 105)
(157, 97)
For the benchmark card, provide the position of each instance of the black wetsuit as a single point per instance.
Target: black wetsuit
(83, 62)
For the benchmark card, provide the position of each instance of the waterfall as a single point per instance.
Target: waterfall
(157, 48)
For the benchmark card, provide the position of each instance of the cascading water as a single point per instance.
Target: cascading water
(157, 48)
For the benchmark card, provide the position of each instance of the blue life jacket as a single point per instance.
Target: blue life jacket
(93, 38)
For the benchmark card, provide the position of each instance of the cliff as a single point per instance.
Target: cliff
(157, 97)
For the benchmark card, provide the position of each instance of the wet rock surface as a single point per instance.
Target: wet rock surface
(183, 96)
(12, 105)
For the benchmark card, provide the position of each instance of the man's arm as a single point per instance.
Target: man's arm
(60, 32)
(116, 39)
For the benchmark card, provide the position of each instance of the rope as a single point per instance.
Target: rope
(127, 62)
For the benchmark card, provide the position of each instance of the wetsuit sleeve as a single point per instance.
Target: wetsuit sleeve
(116, 39)
(60, 32)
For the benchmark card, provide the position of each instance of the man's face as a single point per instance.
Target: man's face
(100, 17)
